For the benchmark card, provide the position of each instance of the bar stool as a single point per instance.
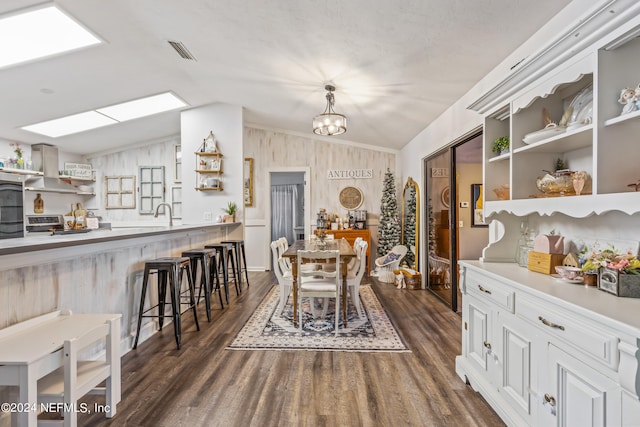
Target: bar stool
(208, 271)
(238, 251)
(174, 269)
(222, 250)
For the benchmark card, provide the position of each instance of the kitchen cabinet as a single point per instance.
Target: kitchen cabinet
(497, 347)
(543, 352)
(208, 171)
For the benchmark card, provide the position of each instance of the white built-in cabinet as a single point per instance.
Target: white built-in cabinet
(606, 148)
(540, 360)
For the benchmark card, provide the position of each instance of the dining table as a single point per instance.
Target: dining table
(347, 253)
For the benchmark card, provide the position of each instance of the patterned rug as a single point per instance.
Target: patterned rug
(268, 330)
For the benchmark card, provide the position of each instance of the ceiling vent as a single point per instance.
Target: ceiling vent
(182, 50)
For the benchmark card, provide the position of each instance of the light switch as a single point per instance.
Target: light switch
(460, 224)
(464, 204)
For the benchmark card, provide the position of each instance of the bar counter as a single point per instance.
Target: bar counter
(95, 272)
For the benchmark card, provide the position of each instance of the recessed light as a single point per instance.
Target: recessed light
(39, 33)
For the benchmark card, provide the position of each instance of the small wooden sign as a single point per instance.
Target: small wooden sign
(81, 170)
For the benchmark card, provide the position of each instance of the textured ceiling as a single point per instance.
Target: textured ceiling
(396, 65)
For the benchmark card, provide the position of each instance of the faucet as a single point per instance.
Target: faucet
(170, 213)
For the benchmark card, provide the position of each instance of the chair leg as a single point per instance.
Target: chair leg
(204, 282)
(162, 297)
(192, 292)
(145, 281)
(244, 262)
(337, 312)
(174, 286)
(213, 275)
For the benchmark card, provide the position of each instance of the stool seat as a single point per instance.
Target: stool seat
(171, 270)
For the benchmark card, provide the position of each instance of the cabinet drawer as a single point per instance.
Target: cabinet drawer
(490, 290)
(580, 332)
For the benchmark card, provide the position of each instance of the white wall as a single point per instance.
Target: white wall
(458, 121)
(226, 123)
(276, 150)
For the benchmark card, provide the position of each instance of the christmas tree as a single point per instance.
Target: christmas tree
(410, 227)
(388, 228)
(432, 228)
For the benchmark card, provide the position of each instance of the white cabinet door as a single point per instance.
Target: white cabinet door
(515, 351)
(577, 394)
(478, 340)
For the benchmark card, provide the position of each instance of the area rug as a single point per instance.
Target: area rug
(268, 330)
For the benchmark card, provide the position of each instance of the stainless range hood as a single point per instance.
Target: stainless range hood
(45, 160)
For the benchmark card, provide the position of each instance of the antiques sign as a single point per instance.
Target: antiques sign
(350, 174)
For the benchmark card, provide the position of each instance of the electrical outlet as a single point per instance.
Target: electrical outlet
(464, 204)
(460, 224)
(208, 216)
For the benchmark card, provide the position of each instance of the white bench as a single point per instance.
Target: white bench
(32, 349)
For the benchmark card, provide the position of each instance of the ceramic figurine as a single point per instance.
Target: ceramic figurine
(628, 98)
(638, 97)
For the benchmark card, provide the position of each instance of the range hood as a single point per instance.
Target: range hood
(45, 160)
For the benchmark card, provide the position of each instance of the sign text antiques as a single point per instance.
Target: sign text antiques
(350, 174)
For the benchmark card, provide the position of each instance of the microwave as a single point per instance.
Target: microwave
(11, 205)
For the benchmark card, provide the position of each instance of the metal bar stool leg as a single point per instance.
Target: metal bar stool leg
(244, 263)
(174, 287)
(192, 294)
(231, 257)
(145, 281)
(213, 275)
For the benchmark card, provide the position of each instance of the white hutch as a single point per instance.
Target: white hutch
(540, 351)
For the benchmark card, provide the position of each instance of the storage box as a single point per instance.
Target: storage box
(622, 285)
(544, 263)
(413, 281)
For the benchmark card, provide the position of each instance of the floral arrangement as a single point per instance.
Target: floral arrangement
(592, 260)
(17, 149)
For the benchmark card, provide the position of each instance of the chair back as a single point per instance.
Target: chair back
(361, 256)
(285, 262)
(305, 257)
(277, 265)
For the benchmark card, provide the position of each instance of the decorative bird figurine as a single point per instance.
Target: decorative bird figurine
(635, 186)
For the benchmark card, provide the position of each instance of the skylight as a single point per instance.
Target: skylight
(142, 107)
(104, 116)
(40, 33)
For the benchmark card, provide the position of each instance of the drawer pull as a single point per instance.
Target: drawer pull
(486, 291)
(550, 324)
(487, 345)
(550, 399)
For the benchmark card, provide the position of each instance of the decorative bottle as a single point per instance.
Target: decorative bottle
(38, 204)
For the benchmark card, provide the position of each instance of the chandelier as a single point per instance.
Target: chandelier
(329, 122)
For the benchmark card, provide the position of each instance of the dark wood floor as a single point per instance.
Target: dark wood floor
(205, 385)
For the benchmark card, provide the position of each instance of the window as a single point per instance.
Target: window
(151, 180)
(120, 192)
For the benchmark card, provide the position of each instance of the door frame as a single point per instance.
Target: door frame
(453, 212)
(307, 203)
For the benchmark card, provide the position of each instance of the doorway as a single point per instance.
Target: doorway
(455, 226)
(287, 205)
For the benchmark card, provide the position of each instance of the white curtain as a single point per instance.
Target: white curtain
(284, 211)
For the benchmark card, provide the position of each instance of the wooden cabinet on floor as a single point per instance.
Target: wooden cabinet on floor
(351, 236)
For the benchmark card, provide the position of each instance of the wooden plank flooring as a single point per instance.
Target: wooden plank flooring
(205, 385)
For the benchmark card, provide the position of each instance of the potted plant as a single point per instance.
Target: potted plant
(230, 212)
(501, 145)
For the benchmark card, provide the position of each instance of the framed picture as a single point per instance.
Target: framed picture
(477, 215)
(248, 181)
(215, 165)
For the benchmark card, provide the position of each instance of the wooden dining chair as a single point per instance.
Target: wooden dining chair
(283, 273)
(319, 283)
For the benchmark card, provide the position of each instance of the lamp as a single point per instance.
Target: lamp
(329, 122)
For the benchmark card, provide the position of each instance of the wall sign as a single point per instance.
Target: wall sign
(80, 170)
(350, 174)
(439, 172)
